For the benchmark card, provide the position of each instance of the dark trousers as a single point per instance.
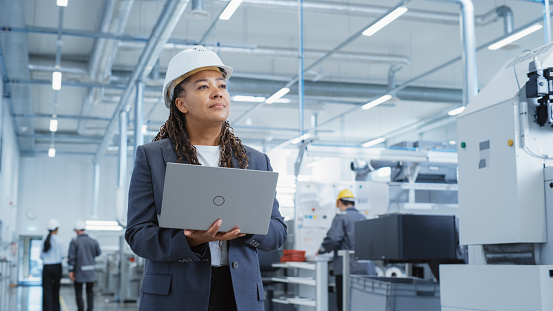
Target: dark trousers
(51, 275)
(339, 290)
(89, 295)
(221, 296)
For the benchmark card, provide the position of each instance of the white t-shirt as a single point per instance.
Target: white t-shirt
(209, 156)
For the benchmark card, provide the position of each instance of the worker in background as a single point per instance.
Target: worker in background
(196, 270)
(82, 251)
(52, 253)
(340, 236)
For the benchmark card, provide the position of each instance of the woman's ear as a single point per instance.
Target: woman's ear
(179, 102)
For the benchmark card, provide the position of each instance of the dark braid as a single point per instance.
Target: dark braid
(175, 129)
(47, 243)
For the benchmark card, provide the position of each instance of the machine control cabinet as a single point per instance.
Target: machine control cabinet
(406, 238)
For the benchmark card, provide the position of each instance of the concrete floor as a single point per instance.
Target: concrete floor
(29, 298)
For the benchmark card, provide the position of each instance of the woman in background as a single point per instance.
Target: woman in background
(52, 254)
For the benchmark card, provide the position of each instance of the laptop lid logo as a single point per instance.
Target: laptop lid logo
(218, 200)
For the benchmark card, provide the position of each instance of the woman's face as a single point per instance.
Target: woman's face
(205, 98)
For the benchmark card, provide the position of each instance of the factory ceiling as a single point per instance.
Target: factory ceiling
(106, 48)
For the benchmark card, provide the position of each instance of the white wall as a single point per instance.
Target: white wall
(9, 175)
(62, 188)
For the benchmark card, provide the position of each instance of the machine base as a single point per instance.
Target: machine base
(496, 287)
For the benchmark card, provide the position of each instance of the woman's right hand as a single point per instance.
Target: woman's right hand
(197, 237)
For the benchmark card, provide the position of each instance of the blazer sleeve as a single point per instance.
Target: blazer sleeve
(276, 236)
(71, 256)
(144, 235)
(334, 236)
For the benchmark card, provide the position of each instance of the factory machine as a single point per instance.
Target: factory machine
(505, 149)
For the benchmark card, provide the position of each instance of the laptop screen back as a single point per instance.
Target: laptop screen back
(195, 196)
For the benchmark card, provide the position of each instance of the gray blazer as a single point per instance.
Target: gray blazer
(177, 276)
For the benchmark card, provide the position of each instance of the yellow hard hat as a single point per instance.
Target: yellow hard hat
(346, 195)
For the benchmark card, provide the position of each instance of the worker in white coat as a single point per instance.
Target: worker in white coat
(52, 254)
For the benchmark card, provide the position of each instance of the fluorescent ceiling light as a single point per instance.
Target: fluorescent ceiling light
(56, 80)
(229, 10)
(514, 37)
(101, 223)
(283, 91)
(52, 152)
(53, 125)
(384, 21)
(250, 99)
(300, 138)
(104, 228)
(452, 142)
(62, 2)
(377, 102)
(374, 142)
(456, 111)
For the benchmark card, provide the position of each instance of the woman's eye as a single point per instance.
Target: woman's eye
(223, 86)
(201, 87)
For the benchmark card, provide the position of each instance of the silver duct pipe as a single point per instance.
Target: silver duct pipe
(96, 190)
(368, 11)
(100, 43)
(167, 21)
(470, 83)
(104, 52)
(291, 53)
(320, 91)
(508, 19)
(122, 177)
(138, 117)
(15, 58)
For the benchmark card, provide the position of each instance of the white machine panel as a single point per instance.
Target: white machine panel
(501, 198)
(316, 207)
(496, 287)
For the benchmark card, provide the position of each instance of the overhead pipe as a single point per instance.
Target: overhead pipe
(15, 59)
(546, 21)
(371, 11)
(99, 44)
(167, 21)
(104, 52)
(292, 53)
(264, 84)
(468, 42)
(64, 137)
(59, 116)
(138, 117)
(368, 11)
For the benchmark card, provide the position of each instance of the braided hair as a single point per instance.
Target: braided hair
(47, 243)
(175, 129)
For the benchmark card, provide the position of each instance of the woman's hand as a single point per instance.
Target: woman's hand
(197, 237)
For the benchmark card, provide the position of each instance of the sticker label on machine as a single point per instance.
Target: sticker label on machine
(484, 154)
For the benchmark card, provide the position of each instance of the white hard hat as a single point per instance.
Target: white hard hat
(188, 62)
(53, 224)
(79, 225)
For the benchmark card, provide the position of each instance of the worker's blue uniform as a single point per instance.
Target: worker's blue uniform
(341, 236)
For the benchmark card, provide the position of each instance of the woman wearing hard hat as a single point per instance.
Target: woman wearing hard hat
(52, 253)
(194, 269)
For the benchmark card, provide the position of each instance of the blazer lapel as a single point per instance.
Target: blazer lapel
(168, 152)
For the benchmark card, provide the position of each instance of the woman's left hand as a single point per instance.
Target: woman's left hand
(197, 237)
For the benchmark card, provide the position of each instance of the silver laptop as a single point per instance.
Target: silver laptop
(195, 196)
